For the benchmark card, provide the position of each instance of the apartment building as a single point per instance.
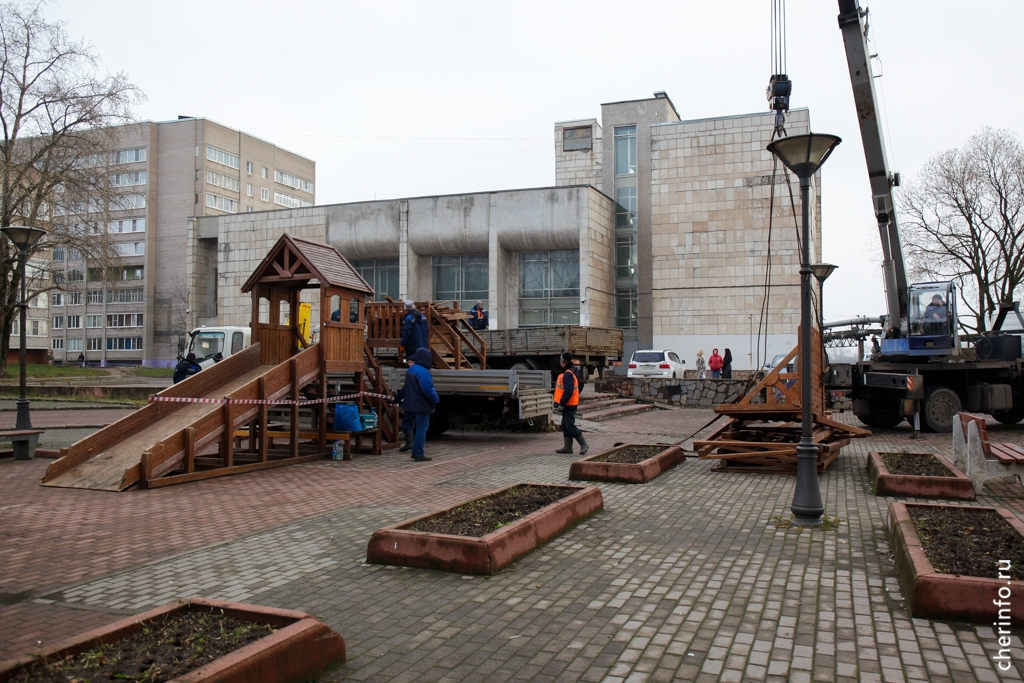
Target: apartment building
(132, 313)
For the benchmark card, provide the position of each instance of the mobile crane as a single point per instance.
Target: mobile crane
(919, 372)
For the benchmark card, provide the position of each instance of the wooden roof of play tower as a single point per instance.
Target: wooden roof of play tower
(294, 262)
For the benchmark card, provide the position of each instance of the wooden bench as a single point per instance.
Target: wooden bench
(979, 458)
(23, 441)
(306, 434)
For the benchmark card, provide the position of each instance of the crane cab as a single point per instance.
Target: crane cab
(932, 320)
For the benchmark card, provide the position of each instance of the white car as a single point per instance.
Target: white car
(665, 364)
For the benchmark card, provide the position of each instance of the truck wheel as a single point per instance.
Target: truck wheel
(520, 366)
(940, 408)
(1009, 417)
(438, 425)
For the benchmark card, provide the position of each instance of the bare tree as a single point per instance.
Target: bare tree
(180, 295)
(963, 220)
(60, 118)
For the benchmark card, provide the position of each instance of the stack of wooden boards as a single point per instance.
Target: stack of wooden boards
(762, 437)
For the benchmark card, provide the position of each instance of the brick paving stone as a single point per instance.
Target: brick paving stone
(684, 578)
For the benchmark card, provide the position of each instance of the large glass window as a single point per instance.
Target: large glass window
(626, 310)
(625, 150)
(625, 227)
(461, 278)
(549, 287)
(381, 274)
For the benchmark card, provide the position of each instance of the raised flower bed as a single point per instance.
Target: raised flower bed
(484, 534)
(917, 475)
(627, 463)
(958, 562)
(191, 641)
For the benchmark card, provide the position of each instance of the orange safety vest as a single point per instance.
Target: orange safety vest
(559, 390)
(478, 312)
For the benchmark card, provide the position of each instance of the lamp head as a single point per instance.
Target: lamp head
(804, 154)
(21, 236)
(822, 270)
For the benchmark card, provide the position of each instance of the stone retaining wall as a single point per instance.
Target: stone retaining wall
(703, 393)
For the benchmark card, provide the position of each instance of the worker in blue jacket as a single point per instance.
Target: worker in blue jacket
(420, 399)
(415, 333)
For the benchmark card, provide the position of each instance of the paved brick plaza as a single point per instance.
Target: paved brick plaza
(686, 577)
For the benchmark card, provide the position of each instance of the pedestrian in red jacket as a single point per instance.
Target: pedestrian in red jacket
(715, 363)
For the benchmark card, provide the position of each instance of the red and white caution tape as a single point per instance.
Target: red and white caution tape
(262, 401)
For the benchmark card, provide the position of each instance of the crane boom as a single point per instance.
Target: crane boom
(852, 21)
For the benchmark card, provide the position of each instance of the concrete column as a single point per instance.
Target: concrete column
(408, 260)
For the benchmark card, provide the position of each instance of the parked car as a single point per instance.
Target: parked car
(649, 363)
(778, 359)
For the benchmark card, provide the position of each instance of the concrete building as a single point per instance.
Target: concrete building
(37, 317)
(663, 229)
(170, 171)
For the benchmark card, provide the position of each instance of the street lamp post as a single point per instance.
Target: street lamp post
(821, 272)
(804, 155)
(23, 238)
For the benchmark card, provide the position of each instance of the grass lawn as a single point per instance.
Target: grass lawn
(56, 371)
(152, 372)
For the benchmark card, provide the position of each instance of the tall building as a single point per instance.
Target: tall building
(169, 171)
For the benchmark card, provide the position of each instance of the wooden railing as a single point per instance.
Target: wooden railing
(456, 338)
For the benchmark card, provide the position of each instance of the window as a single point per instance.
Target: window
(74, 322)
(128, 179)
(124, 343)
(58, 253)
(248, 190)
(128, 156)
(57, 323)
(625, 260)
(75, 344)
(57, 344)
(222, 203)
(40, 301)
(15, 328)
(381, 274)
(549, 287)
(74, 254)
(264, 194)
(287, 179)
(577, 139)
(57, 299)
(248, 167)
(462, 278)
(221, 180)
(127, 202)
(625, 150)
(74, 299)
(126, 296)
(306, 202)
(76, 275)
(626, 309)
(128, 225)
(94, 321)
(221, 157)
(124, 320)
(58, 278)
(263, 172)
(93, 344)
(94, 296)
(131, 273)
(130, 248)
(37, 328)
(307, 186)
(287, 200)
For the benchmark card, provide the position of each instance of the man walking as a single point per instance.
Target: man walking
(567, 397)
(415, 335)
(420, 400)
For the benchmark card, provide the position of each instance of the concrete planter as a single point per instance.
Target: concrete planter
(931, 595)
(626, 473)
(398, 544)
(887, 484)
(300, 648)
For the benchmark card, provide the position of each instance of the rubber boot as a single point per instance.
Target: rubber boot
(567, 448)
(407, 446)
(584, 447)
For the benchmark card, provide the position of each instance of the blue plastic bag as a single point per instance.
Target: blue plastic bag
(346, 418)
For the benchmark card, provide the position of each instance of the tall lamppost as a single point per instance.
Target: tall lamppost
(804, 155)
(23, 238)
(821, 272)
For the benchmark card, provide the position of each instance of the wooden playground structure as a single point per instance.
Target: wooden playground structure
(762, 437)
(218, 421)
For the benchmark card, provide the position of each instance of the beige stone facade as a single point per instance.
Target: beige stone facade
(180, 169)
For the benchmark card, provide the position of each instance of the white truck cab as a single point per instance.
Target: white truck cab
(212, 344)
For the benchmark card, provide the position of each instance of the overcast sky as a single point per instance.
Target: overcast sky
(398, 99)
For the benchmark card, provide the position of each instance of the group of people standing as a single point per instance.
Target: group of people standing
(720, 366)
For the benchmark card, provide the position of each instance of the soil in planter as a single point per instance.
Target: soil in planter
(968, 541)
(483, 516)
(918, 465)
(631, 454)
(162, 650)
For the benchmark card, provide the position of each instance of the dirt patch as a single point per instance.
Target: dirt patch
(631, 454)
(915, 464)
(483, 516)
(968, 541)
(164, 649)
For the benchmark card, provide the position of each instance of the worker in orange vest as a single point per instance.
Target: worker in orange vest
(479, 321)
(567, 397)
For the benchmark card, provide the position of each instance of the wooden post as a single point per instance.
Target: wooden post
(190, 450)
(264, 410)
(293, 441)
(322, 360)
(145, 468)
(228, 438)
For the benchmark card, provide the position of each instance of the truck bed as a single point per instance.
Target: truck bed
(554, 339)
